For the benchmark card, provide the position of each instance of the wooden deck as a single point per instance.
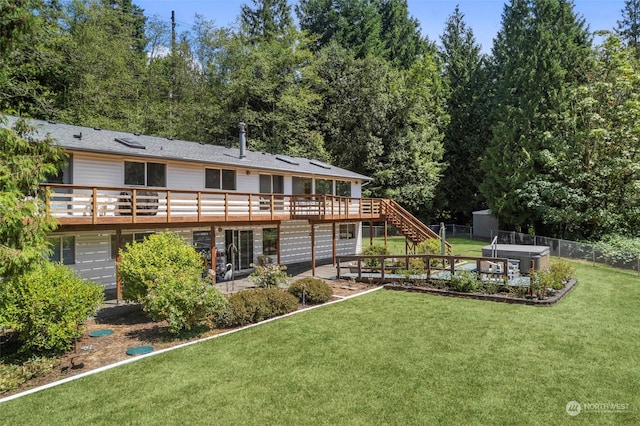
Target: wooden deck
(75, 205)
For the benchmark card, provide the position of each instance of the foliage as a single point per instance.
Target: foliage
(13, 374)
(374, 250)
(542, 282)
(465, 137)
(255, 305)
(269, 19)
(539, 55)
(619, 249)
(315, 290)
(269, 276)
(24, 163)
(629, 26)
(46, 306)
(466, 282)
(184, 300)
(561, 271)
(159, 255)
(491, 287)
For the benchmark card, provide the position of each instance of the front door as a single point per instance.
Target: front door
(239, 247)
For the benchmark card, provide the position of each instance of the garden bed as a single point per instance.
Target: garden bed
(505, 298)
(131, 328)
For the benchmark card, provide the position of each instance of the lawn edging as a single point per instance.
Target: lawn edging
(182, 345)
(483, 296)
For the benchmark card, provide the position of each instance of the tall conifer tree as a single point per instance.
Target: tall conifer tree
(540, 53)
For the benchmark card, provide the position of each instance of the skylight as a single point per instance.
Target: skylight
(287, 159)
(131, 143)
(320, 164)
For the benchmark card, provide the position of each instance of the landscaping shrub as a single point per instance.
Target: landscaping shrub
(562, 272)
(14, 374)
(466, 282)
(375, 250)
(157, 256)
(541, 281)
(184, 300)
(46, 306)
(254, 305)
(315, 290)
(270, 276)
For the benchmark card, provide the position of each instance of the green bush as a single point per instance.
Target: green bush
(562, 272)
(375, 250)
(157, 256)
(15, 374)
(255, 305)
(466, 282)
(46, 307)
(315, 290)
(184, 300)
(543, 280)
(269, 276)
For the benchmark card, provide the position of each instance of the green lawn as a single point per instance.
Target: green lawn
(461, 246)
(384, 358)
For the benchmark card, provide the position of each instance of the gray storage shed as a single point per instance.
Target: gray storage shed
(483, 223)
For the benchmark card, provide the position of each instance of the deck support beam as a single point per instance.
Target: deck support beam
(333, 242)
(313, 250)
(118, 260)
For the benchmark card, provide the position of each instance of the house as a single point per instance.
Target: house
(241, 206)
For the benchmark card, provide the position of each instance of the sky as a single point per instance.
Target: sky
(483, 16)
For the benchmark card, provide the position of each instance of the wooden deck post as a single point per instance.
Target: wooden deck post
(334, 243)
(118, 260)
(371, 233)
(278, 240)
(214, 259)
(313, 250)
(385, 233)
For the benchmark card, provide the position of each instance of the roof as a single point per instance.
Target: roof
(93, 140)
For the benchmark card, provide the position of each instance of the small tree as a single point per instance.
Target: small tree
(46, 306)
(162, 273)
(270, 276)
(157, 256)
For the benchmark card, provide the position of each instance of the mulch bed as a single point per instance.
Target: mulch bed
(132, 328)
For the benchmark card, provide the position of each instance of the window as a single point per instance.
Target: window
(271, 184)
(343, 188)
(145, 174)
(324, 186)
(347, 231)
(63, 249)
(301, 185)
(270, 241)
(127, 239)
(64, 175)
(220, 179)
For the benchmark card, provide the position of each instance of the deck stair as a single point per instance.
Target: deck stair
(408, 225)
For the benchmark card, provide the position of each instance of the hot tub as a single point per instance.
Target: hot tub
(536, 257)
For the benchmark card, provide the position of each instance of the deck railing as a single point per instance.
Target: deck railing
(384, 268)
(77, 204)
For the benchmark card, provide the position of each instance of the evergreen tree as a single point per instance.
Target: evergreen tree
(268, 19)
(596, 188)
(385, 123)
(401, 34)
(355, 24)
(540, 54)
(464, 141)
(104, 66)
(629, 26)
